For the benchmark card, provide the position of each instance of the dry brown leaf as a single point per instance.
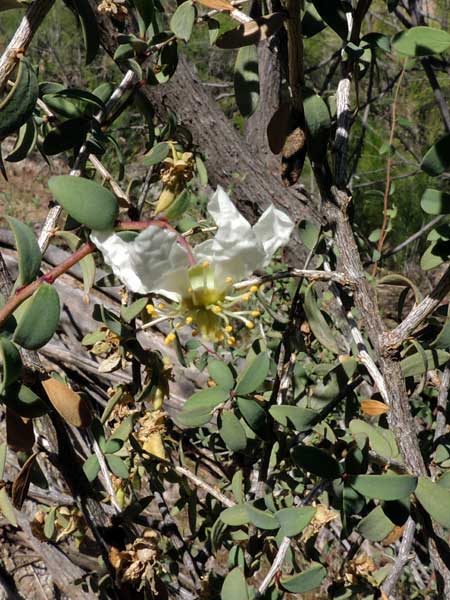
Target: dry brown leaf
(217, 4)
(394, 535)
(70, 405)
(374, 408)
(293, 157)
(22, 482)
(252, 32)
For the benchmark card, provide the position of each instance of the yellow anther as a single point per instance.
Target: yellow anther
(228, 328)
(254, 288)
(170, 338)
(231, 340)
(161, 305)
(190, 290)
(246, 297)
(194, 333)
(216, 309)
(229, 280)
(189, 320)
(255, 313)
(150, 309)
(205, 264)
(249, 324)
(178, 325)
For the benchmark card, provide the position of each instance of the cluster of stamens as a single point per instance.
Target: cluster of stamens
(208, 310)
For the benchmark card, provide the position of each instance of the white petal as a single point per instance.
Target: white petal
(152, 262)
(235, 251)
(273, 230)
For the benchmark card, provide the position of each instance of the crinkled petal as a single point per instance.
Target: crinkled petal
(152, 262)
(235, 251)
(273, 230)
(238, 249)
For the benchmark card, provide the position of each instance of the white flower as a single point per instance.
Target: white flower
(198, 284)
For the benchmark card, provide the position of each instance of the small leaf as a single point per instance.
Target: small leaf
(65, 136)
(128, 313)
(91, 467)
(414, 366)
(316, 461)
(435, 499)
(3, 452)
(279, 127)
(246, 80)
(197, 410)
(70, 405)
(235, 586)
(254, 415)
(435, 202)
(6, 507)
(17, 107)
(333, 14)
(49, 525)
(25, 143)
(39, 318)
(86, 201)
(309, 233)
(117, 466)
(437, 158)
(183, 20)
(29, 253)
(10, 363)
(379, 439)
(221, 374)
(421, 41)
(253, 375)
(375, 526)
(294, 520)
(242, 514)
(156, 155)
(232, 432)
(319, 326)
(23, 401)
(89, 28)
(297, 417)
(384, 487)
(305, 581)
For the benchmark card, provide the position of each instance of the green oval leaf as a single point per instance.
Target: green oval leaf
(435, 499)
(28, 251)
(232, 432)
(86, 201)
(17, 107)
(39, 318)
(421, 41)
(414, 365)
(221, 374)
(254, 415)
(234, 586)
(316, 461)
(377, 436)
(6, 507)
(25, 143)
(117, 466)
(294, 520)
(253, 375)
(435, 202)
(23, 401)
(437, 158)
(183, 20)
(319, 326)
(11, 364)
(305, 581)
(384, 487)
(333, 14)
(375, 526)
(157, 154)
(197, 410)
(242, 514)
(246, 80)
(88, 22)
(91, 467)
(296, 417)
(65, 136)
